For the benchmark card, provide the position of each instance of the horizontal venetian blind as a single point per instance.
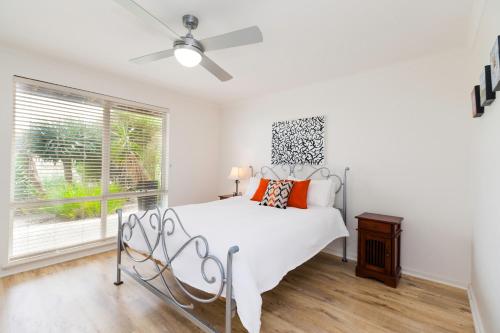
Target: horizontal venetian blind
(78, 156)
(136, 145)
(56, 133)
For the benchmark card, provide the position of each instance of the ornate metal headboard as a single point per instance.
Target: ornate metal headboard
(323, 172)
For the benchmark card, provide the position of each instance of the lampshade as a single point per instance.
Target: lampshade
(235, 173)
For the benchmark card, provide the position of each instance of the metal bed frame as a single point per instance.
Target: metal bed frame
(166, 224)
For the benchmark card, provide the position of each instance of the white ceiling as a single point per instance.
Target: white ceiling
(304, 41)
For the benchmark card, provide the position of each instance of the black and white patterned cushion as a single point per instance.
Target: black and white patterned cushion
(277, 194)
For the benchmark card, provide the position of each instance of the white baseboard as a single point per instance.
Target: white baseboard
(338, 253)
(405, 271)
(434, 278)
(476, 316)
(16, 268)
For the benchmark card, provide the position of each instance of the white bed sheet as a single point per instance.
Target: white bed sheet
(272, 242)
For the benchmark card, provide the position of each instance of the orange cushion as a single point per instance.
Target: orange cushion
(298, 196)
(261, 190)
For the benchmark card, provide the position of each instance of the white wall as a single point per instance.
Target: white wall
(486, 184)
(404, 131)
(194, 126)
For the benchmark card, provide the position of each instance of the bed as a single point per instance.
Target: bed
(259, 244)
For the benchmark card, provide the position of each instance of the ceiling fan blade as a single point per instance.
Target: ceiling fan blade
(250, 35)
(148, 18)
(153, 56)
(215, 69)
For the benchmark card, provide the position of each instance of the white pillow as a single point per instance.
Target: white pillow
(253, 184)
(321, 192)
(332, 193)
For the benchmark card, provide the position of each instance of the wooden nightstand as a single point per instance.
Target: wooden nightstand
(379, 247)
(225, 196)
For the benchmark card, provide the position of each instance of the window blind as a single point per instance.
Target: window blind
(78, 156)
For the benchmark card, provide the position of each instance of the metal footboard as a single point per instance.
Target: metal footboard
(165, 225)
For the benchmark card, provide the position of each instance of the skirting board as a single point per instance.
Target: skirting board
(437, 279)
(406, 271)
(338, 253)
(476, 316)
(56, 259)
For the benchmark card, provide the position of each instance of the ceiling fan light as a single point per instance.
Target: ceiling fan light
(187, 57)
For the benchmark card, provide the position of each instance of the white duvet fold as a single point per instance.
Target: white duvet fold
(272, 242)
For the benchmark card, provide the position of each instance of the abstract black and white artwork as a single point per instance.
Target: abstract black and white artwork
(300, 141)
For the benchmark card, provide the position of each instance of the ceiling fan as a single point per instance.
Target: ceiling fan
(189, 51)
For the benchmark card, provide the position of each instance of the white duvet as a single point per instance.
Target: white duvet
(272, 242)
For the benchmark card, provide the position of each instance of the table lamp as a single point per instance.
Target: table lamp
(236, 174)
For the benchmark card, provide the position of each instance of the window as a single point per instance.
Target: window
(79, 156)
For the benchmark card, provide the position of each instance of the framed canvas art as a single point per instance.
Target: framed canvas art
(477, 109)
(300, 141)
(495, 65)
(486, 93)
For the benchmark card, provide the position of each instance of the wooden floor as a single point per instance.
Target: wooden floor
(322, 295)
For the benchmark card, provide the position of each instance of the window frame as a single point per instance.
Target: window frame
(107, 102)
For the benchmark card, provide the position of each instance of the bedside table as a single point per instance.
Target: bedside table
(226, 196)
(379, 247)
